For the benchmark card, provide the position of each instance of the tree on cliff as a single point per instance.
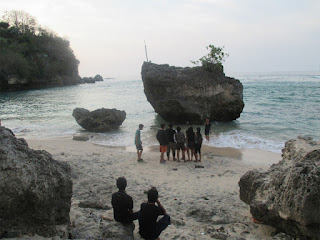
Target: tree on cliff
(213, 60)
(21, 20)
(32, 57)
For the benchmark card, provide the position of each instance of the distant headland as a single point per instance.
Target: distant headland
(33, 57)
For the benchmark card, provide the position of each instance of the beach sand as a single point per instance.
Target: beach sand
(203, 202)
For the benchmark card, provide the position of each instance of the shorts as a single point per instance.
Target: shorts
(197, 148)
(163, 148)
(139, 147)
(180, 146)
(190, 145)
(171, 146)
(206, 133)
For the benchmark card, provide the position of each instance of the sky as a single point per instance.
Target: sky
(107, 36)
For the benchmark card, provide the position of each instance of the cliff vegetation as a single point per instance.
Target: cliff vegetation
(33, 57)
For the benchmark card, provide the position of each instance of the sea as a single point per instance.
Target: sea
(278, 107)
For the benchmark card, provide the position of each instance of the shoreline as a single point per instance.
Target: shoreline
(252, 156)
(200, 201)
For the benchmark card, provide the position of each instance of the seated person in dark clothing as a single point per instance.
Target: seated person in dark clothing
(122, 203)
(150, 229)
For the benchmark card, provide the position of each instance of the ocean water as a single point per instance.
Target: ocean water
(278, 107)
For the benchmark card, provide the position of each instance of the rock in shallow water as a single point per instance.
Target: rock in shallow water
(100, 120)
(183, 95)
(287, 196)
(35, 190)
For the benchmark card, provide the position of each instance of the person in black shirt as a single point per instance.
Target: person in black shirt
(122, 203)
(163, 141)
(191, 141)
(150, 229)
(207, 128)
(171, 142)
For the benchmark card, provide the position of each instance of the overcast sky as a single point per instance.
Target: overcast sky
(107, 36)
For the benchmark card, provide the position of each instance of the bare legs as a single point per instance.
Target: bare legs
(139, 153)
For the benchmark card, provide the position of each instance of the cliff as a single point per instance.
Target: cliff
(31, 60)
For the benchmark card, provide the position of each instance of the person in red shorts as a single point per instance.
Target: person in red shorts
(162, 138)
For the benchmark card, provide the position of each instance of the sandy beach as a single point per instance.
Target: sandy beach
(202, 202)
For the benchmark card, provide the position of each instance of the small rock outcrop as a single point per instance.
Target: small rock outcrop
(100, 120)
(287, 196)
(97, 78)
(35, 190)
(183, 95)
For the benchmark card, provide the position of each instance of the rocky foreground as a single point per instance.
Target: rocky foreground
(35, 190)
(183, 95)
(203, 201)
(287, 196)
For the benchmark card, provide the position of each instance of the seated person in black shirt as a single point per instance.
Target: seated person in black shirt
(150, 229)
(122, 203)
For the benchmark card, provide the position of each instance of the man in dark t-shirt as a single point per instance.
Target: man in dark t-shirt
(150, 229)
(122, 203)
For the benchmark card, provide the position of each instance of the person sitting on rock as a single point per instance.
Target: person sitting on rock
(122, 204)
(150, 229)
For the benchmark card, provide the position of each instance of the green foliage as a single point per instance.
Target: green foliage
(34, 55)
(213, 60)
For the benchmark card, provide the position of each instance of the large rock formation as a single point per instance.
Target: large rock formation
(100, 120)
(35, 190)
(191, 94)
(287, 196)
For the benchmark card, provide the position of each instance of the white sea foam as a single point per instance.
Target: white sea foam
(239, 141)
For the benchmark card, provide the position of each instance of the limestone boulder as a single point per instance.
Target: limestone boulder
(183, 95)
(35, 190)
(287, 196)
(100, 120)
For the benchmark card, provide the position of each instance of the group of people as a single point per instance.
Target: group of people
(171, 140)
(149, 227)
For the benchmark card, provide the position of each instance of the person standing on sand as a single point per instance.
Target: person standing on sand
(198, 143)
(191, 141)
(171, 143)
(122, 203)
(180, 139)
(162, 138)
(149, 228)
(138, 142)
(207, 128)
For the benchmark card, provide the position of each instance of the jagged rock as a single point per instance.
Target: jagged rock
(35, 190)
(93, 204)
(287, 196)
(183, 95)
(100, 120)
(213, 216)
(115, 231)
(98, 78)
